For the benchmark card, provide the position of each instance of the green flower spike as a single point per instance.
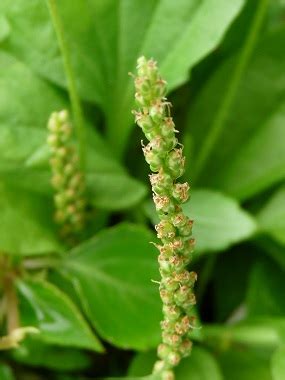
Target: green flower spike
(165, 157)
(67, 180)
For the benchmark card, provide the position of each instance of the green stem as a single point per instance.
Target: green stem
(252, 335)
(12, 310)
(222, 114)
(73, 95)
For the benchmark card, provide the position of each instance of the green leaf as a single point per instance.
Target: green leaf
(248, 156)
(26, 223)
(4, 28)
(272, 217)
(5, 372)
(26, 102)
(252, 171)
(57, 318)
(278, 364)
(35, 353)
(112, 274)
(230, 278)
(121, 32)
(23, 150)
(245, 364)
(266, 291)
(201, 365)
(218, 220)
(115, 191)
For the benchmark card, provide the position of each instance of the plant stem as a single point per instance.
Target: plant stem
(41, 263)
(223, 112)
(13, 320)
(73, 95)
(252, 335)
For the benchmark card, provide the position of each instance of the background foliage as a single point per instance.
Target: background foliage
(96, 308)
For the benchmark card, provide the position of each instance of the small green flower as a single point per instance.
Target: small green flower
(67, 180)
(166, 161)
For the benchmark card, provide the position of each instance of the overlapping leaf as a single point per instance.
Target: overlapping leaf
(57, 318)
(249, 156)
(115, 33)
(112, 274)
(272, 216)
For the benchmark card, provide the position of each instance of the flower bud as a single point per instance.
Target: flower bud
(163, 350)
(163, 203)
(152, 159)
(170, 284)
(144, 121)
(181, 192)
(161, 182)
(166, 296)
(157, 111)
(171, 312)
(186, 230)
(173, 358)
(175, 162)
(165, 230)
(185, 347)
(167, 375)
(159, 366)
(171, 339)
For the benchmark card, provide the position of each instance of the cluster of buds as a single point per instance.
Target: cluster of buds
(67, 180)
(165, 158)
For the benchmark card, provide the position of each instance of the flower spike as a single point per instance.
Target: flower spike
(165, 157)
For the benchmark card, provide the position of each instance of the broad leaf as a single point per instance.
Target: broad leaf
(252, 171)
(278, 364)
(201, 365)
(272, 216)
(6, 372)
(245, 364)
(122, 30)
(266, 291)
(218, 220)
(54, 314)
(248, 156)
(4, 28)
(27, 225)
(112, 274)
(35, 353)
(23, 150)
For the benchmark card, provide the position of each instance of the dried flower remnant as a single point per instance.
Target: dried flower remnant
(165, 158)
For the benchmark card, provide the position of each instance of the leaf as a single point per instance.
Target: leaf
(266, 291)
(23, 150)
(252, 170)
(229, 280)
(245, 364)
(26, 223)
(218, 220)
(57, 318)
(201, 365)
(255, 118)
(36, 353)
(5, 372)
(115, 191)
(4, 28)
(278, 364)
(122, 31)
(112, 274)
(272, 217)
